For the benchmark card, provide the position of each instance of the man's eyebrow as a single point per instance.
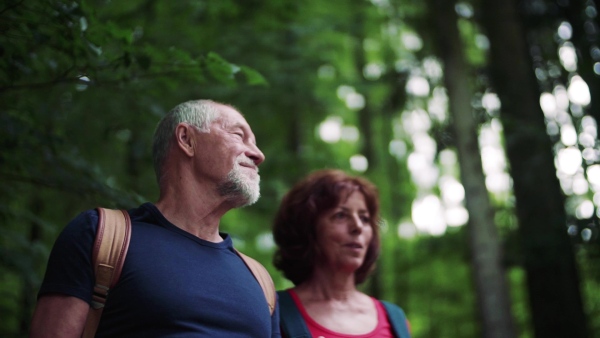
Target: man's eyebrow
(246, 129)
(234, 125)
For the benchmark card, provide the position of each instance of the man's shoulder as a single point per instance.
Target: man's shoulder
(88, 219)
(84, 221)
(146, 213)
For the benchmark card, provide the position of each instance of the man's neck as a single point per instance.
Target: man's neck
(194, 210)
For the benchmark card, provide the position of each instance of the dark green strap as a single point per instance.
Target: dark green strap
(291, 321)
(397, 319)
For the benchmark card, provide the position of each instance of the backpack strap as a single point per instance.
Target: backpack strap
(397, 319)
(290, 319)
(110, 249)
(264, 279)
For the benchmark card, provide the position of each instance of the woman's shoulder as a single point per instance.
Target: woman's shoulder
(392, 309)
(397, 318)
(389, 305)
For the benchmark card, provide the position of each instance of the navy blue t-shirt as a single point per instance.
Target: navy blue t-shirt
(173, 284)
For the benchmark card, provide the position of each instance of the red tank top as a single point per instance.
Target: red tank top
(382, 330)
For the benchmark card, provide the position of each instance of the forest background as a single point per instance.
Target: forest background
(477, 120)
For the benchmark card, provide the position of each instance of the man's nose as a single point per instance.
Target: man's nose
(255, 154)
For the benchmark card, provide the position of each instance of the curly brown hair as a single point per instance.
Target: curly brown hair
(294, 226)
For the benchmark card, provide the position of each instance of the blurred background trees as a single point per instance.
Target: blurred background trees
(477, 120)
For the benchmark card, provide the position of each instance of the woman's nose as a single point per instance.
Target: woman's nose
(356, 225)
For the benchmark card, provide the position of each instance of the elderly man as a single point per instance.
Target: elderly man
(181, 276)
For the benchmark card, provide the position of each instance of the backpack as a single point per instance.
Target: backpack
(110, 249)
(293, 326)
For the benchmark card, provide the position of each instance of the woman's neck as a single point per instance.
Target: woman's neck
(324, 285)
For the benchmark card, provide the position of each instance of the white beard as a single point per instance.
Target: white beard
(239, 188)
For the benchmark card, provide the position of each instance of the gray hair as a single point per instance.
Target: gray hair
(199, 113)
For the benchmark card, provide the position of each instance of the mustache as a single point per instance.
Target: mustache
(247, 162)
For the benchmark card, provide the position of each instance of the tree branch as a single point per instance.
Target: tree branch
(8, 8)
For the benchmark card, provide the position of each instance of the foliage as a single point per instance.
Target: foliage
(83, 83)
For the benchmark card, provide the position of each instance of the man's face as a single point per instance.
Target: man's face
(230, 157)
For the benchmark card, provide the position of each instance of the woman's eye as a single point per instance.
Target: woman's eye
(365, 219)
(339, 215)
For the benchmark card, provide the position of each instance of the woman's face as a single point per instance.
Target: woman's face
(344, 234)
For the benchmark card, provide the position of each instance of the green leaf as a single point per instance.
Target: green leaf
(220, 69)
(251, 76)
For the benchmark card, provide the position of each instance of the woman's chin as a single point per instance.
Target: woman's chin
(348, 267)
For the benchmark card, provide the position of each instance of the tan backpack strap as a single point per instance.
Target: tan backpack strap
(264, 279)
(110, 249)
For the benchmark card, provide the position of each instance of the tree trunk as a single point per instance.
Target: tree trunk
(552, 276)
(486, 251)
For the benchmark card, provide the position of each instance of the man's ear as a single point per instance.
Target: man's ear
(185, 138)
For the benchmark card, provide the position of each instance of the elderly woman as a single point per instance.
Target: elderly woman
(326, 230)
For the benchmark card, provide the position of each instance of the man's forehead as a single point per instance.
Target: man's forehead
(231, 117)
